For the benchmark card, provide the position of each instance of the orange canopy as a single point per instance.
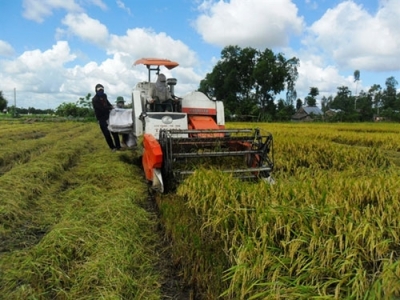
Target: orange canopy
(169, 64)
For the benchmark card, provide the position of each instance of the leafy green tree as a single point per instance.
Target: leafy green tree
(345, 101)
(67, 110)
(291, 96)
(86, 101)
(223, 82)
(375, 93)
(324, 104)
(271, 73)
(356, 78)
(364, 107)
(284, 111)
(299, 104)
(308, 101)
(342, 100)
(314, 92)
(14, 111)
(3, 102)
(247, 80)
(82, 108)
(311, 98)
(389, 94)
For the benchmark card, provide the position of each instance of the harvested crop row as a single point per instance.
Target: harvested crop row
(102, 242)
(11, 130)
(21, 151)
(16, 132)
(25, 182)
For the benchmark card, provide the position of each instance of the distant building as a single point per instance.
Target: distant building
(332, 112)
(307, 113)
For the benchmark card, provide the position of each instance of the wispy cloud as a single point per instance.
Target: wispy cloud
(124, 7)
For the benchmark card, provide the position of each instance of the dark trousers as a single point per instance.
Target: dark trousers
(125, 138)
(107, 135)
(167, 105)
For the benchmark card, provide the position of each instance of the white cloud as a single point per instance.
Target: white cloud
(312, 5)
(6, 49)
(346, 36)
(98, 3)
(36, 72)
(86, 28)
(36, 61)
(44, 83)
(46, 73)
(326, 78)
(356, 39)
(254, 23)
(57, 56)
(37, 10)
(123, 6)
(141, 42)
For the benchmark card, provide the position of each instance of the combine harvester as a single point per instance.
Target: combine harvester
(175, 143)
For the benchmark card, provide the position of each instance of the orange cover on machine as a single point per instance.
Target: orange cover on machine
(202, 122)
(152, 156)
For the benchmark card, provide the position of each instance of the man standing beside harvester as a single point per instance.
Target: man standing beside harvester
(102, 108)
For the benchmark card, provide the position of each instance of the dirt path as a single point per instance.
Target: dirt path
(173, 286)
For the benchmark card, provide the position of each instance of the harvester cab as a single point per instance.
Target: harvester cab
(192, 134)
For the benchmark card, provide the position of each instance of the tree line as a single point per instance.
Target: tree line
(251, 83)
(81, 108)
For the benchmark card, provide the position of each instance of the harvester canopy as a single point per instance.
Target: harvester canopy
(169, 64)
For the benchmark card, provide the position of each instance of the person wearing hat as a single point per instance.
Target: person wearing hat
(120, 102)
(102, 108)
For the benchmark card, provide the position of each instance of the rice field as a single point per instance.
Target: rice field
(75, 223)
(328, 229)
(72, 219)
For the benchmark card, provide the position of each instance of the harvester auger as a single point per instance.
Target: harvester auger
(177, 142)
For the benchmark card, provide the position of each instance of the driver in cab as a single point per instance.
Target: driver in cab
(161, 96)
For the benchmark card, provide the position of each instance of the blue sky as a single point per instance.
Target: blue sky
(55, 51)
